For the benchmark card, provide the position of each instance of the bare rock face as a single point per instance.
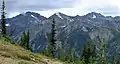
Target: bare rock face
(72, 32)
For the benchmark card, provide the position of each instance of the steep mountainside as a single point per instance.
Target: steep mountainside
(72, 31)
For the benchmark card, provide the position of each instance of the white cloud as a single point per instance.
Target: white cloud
(67, 11)
(115, 2)
(12, 14)
(82, 7)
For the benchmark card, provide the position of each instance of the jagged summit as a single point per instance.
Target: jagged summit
(77, 29)
(94, 15)
(59, 14)
(31, 13)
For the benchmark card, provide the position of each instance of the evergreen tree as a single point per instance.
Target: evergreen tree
(3, 20)
(61, 53)
(89, 53)
(28, 40)
(52, 40)
(103, 52)
(86, 53)
(102, 55)
(25, 40)
(116, 58)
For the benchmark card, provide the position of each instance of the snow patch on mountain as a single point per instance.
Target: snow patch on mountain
(71, 20)
(7, 24)
(35, 18)
(38, 47)
(84, 29)
(63, 26)
(58, 14)
(94, 16)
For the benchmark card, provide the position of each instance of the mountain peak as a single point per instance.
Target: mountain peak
(94, 15)
(31, 13)
(34, 14)
(59, 15)
(77, 16)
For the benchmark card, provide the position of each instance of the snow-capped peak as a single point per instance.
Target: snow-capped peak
(58, 14)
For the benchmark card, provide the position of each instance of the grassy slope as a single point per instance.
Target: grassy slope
(14, 54)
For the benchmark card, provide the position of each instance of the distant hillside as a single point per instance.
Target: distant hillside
(14, 54)
(72, 31)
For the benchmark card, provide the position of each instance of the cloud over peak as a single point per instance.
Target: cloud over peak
(70, 7)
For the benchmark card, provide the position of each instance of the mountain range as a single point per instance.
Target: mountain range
(72, 31)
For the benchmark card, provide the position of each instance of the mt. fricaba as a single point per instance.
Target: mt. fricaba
(72, 31)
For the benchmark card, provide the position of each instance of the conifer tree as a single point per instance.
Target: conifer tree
(28, 40)
(89, 53)
(86, 53)
(52, 40)
(3, 20)
(102, 55)
(25, 40)
(103, 52)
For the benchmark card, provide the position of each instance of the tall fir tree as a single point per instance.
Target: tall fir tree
(28, 40)
(86, 54)
(103, 52)
(52, 40)
(22, 42)
(102, 55)
(89, 53)
(25, 41)
(3, 20)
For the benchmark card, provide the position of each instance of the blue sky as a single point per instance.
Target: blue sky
(69, 7)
